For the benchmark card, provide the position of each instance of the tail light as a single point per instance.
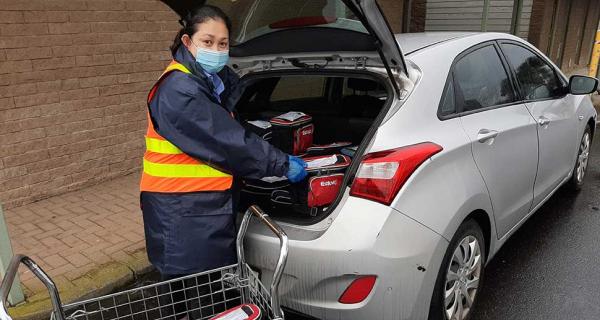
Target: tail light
(358, 290)
(382, 174)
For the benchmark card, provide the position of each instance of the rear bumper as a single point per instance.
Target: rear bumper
(366, 238)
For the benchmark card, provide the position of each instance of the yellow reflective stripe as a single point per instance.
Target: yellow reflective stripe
(161, 146)
(182, 170)
(177, 66)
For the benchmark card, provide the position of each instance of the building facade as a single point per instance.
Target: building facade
(563, 29)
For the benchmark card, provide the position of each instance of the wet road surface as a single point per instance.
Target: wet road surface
(550, 268)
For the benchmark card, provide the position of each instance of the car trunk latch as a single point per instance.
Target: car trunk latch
(360, 63)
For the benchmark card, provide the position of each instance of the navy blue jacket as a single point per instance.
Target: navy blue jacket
(192, 232)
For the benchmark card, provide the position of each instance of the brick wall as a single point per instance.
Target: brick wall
(574, 36)
(540, 24)
(589, 32)
(393, 10)
(418, 15)
(565, 30)
(73, 81)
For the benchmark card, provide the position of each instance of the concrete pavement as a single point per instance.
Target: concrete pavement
(89, 242)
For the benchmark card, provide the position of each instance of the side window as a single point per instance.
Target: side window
(481, 81)
(357, 86)
(537, 78)
(290, 88)
(448, 106)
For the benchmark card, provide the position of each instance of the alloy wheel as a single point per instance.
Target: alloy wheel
(462, 278)
(582, 158)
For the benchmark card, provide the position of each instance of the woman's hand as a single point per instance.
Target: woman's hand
(296, 169)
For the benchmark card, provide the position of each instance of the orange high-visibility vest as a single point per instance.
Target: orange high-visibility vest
(167, 169)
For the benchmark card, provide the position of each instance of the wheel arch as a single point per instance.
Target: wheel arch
(592, 125)
(482, 218)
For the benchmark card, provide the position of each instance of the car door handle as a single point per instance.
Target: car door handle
(486, 135)
(543, 121)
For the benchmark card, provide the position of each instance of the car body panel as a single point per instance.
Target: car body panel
(399, 250)
(557, 142)
(413, 42)
(507, 162)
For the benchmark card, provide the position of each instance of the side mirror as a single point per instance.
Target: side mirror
(582, 85)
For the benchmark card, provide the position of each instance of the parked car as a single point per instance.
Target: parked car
(461, 137)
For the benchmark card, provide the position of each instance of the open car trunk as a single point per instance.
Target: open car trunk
(322, 117)
(336, 107)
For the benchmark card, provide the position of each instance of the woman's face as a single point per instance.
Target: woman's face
(211, 34)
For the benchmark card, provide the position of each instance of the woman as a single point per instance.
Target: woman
(195, 148)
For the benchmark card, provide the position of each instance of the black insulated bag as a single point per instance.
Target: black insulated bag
(261, 128)
(327, 149)
(259, 191)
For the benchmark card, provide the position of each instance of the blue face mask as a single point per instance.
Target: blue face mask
(210, 60)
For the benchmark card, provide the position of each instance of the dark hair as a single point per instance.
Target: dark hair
(196, 16)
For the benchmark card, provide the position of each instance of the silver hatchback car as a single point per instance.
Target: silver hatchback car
(460, 138)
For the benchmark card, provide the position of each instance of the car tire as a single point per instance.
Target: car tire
(458, 274)
(581, 164)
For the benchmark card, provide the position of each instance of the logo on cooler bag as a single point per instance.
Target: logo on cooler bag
(307, 132)
(329, 183)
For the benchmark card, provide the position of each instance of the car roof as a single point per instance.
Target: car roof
(412, 42)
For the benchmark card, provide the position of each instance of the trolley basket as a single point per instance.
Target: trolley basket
(195, 297)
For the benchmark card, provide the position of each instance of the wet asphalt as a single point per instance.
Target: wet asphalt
(550, 268)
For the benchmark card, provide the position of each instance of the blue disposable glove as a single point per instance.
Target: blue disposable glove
(296, 171)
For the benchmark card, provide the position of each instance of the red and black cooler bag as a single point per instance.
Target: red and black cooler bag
(314, 195)
(293, 132)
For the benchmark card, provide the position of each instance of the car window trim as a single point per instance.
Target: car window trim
(459, 107)
(512, 69)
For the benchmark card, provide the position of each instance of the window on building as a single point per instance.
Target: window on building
(481, 81)
(536, 77)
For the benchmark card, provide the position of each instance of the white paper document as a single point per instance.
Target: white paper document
(322, 162)
(260, 123)
(273, 179)
(291, 116)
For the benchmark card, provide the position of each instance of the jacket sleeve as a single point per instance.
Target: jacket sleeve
(186, 117)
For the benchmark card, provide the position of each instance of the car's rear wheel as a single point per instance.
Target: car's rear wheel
(583, 154)
(460, 277)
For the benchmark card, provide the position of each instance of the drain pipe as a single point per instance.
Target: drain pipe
(16, 293)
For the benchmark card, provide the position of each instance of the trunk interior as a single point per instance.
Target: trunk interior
(342, 108)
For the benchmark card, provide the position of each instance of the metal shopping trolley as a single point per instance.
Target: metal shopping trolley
(200, 296)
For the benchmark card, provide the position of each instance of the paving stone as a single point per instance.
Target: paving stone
(73, 235)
